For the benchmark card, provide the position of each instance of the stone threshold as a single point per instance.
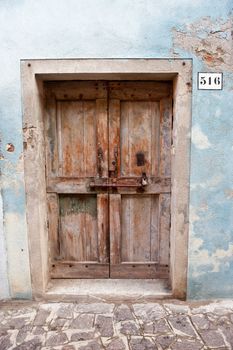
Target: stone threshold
(107, 290)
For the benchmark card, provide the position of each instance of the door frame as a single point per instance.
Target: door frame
(33, 73)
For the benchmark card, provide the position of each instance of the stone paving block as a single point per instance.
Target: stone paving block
(182, 325)
(165, 340)
(83, 321)
(82, 335)
(23, 333)
(32, 344)
(41, 317)
(95, 308)
(65, 311)
(57, 323)
(141, 343)
(68, 347)
(54, 338)
(213, 338)
(149, 312)
(187, 344)
(38, 330)
(104, 326)
(130, 328)
(227, 331)
(5, 342)
(201, 322)
(92, 345)
(116, 344)
(123, 313)
(160, 326)
(17, 322)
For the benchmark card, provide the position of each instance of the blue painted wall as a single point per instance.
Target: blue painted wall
(197, 29)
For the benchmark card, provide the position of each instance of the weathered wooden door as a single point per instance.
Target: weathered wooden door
(108, 178)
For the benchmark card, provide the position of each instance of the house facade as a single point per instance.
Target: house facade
(150, 187)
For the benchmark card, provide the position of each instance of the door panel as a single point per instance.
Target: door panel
(139, 137)
(76, 138)
(76, 153)
(140, 216)
(108, 168)
(78, 227)
(139, 228)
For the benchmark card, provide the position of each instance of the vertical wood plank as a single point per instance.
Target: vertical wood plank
(103, 228)
(115, 228)
(139, 228)
(114, 136)
(164, 228)
(71, 135)
(77, 138)
(91, 229)
(53, 224)
(51, 138)
(127, 237)
(154, 230)
(165, 136)
(136, 136)
(155, 140)
(102, 134)
(124, 139)
(89, 138)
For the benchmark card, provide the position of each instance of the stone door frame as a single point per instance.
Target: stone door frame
(33, 74)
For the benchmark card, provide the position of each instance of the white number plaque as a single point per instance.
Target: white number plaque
(210, 81)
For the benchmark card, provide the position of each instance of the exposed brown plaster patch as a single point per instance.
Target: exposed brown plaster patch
(213, 46)
(10, 147)
(229, 193)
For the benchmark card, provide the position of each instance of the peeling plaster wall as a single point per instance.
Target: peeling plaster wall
(201, 30)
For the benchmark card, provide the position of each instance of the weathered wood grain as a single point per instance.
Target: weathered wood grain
(164, 229)
(102, 137)
(109, 134)
(138, 270)
(51, 139)
(165, 136)
(115, 228)
(77, 138)
(53, 225)
(103, 228)
(71, 269)
(76, 90)
(140, 90)
(139, 134)
(78, 227)
(114, 138)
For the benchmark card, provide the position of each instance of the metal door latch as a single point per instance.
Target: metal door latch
(144, 179)
(100, 157)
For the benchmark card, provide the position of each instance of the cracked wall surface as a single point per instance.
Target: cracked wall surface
(86, 28)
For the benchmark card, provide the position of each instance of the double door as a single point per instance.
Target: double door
(108, 170)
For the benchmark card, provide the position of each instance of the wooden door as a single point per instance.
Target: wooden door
(108, 178)
(140, 124)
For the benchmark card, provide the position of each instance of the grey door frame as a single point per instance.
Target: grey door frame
(33, 74)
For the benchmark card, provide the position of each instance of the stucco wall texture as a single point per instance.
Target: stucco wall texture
(201, 30)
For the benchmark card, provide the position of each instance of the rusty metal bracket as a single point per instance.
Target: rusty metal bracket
(100, 158)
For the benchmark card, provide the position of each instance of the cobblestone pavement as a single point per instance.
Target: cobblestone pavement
(163, 325)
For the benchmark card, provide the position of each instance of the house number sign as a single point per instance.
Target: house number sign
(210, 81)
